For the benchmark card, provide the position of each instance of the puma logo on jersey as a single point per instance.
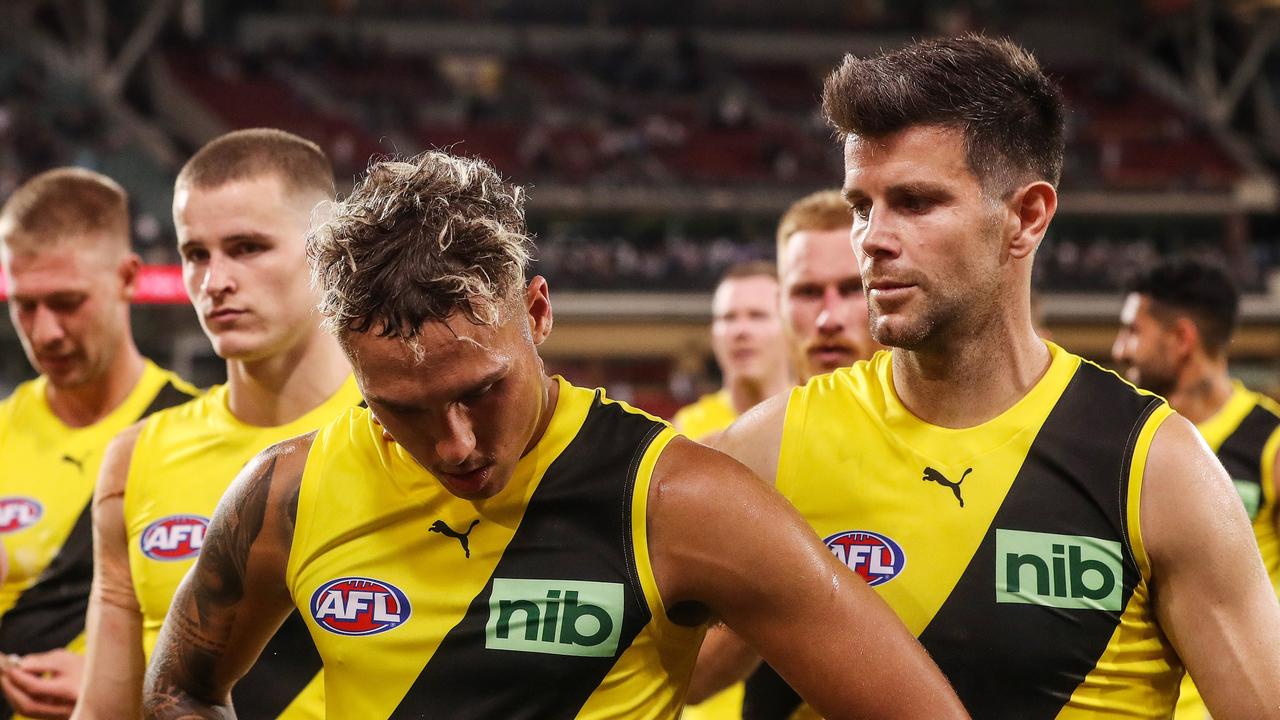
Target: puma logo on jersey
(19, 513)
(931, 475)
(66, 458)
(439, 526)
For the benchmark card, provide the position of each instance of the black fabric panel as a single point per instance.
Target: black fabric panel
(1019, 661)
(51, 612)
(168, 397)
(577, 527)
(288, 663)
(767, 696)
(1241, 452)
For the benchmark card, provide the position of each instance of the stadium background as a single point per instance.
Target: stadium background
(661, 140)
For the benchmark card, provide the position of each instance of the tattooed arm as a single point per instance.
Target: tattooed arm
(235, 598)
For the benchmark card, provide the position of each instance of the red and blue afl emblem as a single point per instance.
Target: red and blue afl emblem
(359, 606)
(176, 537)
(872, 555)
(19, 513)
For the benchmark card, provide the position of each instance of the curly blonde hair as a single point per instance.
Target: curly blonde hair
(419, 240)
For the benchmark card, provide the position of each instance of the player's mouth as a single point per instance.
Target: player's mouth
(468, 484)
(889, 290)
(56, 363)
(831, 355)
(224, 316)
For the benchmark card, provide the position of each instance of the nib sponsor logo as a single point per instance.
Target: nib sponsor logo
(177, 537)
(558, 617)
(875, 557)
(359, 606)
(18, 513)
(1061, 571)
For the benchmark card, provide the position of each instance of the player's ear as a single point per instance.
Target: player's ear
(537, 302)
(1031, 208)
(128, 270)
(1186, 335)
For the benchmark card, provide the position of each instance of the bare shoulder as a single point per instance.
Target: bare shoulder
(268, 487)
(1185, 490)
(114, 472)
(755, 439)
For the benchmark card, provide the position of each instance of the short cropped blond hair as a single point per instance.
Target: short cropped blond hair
(419, 240)
(65, 204)
(299, 164)
(819, 211)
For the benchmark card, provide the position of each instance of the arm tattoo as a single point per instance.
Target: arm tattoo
(181, 681)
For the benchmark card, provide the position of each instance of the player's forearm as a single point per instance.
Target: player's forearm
(164, 701)
(723, 660)
(179, 682)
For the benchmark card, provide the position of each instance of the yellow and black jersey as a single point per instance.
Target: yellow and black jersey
(182, 462)
(1013, 550)
(1245, 434)
(708, 416)
(539, 602)
(45, 515)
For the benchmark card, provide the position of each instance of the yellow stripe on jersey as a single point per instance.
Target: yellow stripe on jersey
(420, 601)
(182, 462)
(708, 416)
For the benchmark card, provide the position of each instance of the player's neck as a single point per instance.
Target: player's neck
(550, 397)
(90, 402)
(745, 393)
(973, 378)
(282, 388)
(1203, 389)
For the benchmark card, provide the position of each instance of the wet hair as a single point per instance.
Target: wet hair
(299, 164)
(419, 240)
(990, 89)
(66, 205)
(820, 211)
(1201, 291)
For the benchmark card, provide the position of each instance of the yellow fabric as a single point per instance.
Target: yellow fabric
(708, 416)
(1216, 430)
(363, 510)
(847, 443)
(182, 463)
(56, 466)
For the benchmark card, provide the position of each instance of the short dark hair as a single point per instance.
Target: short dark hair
(1012, 115)
(1200, 290)
(299, 164)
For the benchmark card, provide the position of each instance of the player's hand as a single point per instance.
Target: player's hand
(43, 685)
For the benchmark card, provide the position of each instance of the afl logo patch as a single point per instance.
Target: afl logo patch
(19, 513)
(177, 537)
(872, 555)
(359, 606)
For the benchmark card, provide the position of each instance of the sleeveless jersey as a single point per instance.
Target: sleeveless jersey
(709, 415)
(1245, 434)
(539, 602)
(182, 463)
(1013, 549)
(45, 517)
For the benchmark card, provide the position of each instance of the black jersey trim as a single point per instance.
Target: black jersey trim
(766, 696)
(288, 663)
(1241, 452)
(577, 527)
(169, 396)
(1024, 661)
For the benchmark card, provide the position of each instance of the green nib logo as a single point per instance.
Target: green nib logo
(1062, 571)
(558, 617)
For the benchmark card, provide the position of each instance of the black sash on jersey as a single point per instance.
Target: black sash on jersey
(1021, 661)
(577, 527)
(288, 663)
(51, 613)
(1241, 452)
